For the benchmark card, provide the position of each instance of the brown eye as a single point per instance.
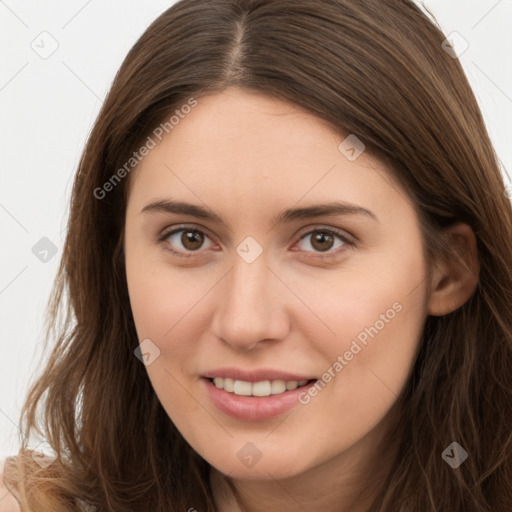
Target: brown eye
(322, 241)
(192, 240)
(185, 240)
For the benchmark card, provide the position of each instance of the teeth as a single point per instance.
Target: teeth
(262, 388)
(278, 386)
(241, 387)
(229, 385)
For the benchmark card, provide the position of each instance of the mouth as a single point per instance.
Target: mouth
(255, 395)
(262, 388)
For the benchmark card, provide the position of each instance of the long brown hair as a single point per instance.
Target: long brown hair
(373, 68)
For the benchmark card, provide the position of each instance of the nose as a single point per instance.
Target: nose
(252, 306)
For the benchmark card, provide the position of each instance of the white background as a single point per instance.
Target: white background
(48, 106)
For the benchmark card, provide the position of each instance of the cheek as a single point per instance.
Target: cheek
(367, 364)
(379, 298)
(162, 303)
(170, 308)
(167, 309)
(377, 317)
(160, 297)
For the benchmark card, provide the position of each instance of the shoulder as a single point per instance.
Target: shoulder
(8, 502)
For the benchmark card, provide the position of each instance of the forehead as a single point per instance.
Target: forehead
(249, 151)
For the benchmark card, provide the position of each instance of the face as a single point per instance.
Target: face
(264, 255)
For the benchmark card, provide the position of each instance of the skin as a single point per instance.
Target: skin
(247, 157)
(8, 502)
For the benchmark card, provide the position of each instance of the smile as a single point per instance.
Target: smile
(261, 388)
(254, 401)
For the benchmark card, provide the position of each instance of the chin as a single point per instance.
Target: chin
(272, 467)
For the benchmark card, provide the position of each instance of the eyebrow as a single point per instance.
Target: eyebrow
(287, 215)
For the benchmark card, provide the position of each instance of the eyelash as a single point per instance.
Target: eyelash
(348, 244)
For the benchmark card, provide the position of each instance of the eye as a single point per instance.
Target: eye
(185, 239)
(323, 241)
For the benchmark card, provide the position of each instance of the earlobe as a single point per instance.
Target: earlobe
(455, 277)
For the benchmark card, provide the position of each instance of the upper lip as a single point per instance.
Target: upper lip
(255, 375)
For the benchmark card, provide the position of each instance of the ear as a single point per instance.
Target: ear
(455, 278)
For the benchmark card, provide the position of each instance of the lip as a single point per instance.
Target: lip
(255, 375)
(252, 408)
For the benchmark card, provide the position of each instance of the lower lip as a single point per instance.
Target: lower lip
(253, 408)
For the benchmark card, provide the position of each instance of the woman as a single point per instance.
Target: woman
(288, 266)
